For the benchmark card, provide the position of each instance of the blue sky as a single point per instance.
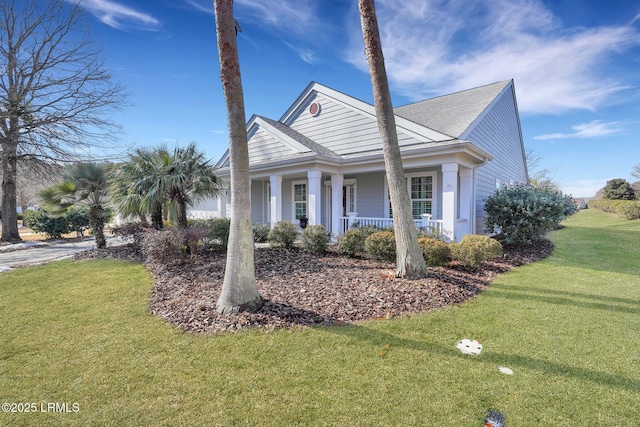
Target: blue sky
(575, 65)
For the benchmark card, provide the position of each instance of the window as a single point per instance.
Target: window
(420, 187)
(421, 194)
(299, 199)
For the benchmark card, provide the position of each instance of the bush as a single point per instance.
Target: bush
(41, 221)
(521, 214)
(315, 239)
(474, 250)
(218, 230)
(351, 242)
(436, 252)
(627, 209)
(261, 233)
(165, 247)
(131, 231)
(283, 234)
(381, 245)
(77, 219)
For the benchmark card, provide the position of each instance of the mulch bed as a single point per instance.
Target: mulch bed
(306, 290)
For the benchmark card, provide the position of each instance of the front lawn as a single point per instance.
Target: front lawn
(81, 332)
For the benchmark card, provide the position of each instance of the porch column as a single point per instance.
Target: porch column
(222, 203)
(314, 202)
(467, 201)
(450, 199)
(276, 198)
(337, 182)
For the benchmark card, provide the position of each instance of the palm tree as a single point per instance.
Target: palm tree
(155, 179)
(188, 179)
(410, 262)
(85, 184)
(239, 290)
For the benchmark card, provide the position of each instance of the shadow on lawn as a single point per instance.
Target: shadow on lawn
(375, 337)
(611, 300)
(532, 294)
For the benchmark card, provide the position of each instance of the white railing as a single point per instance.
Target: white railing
(435, 226)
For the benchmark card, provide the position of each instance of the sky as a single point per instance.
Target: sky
(575, 65)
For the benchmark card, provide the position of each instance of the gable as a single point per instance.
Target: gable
(453, 114)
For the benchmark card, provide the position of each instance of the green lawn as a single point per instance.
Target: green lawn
(569, 327)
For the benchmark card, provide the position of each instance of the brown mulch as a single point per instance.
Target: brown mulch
(305, 290)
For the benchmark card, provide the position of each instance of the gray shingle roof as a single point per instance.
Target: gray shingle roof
(452, 114)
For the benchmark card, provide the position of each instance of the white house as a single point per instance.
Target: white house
(323, 160)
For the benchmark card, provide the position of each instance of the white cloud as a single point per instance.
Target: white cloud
(592, 129)
(201, 7)
(582, 188)
(297, 16)
(438, 47)
(119, 16)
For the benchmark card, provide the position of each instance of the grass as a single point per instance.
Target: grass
(80, 332)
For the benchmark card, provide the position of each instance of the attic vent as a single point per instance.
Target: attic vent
(314, 109)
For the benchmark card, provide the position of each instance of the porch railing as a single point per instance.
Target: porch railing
(434, 226)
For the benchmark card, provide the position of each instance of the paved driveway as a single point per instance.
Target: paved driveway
(40, 254)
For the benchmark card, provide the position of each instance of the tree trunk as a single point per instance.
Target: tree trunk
(96, 222)
(410, 262)
(156, 217)
(9, 213)
(239, 291)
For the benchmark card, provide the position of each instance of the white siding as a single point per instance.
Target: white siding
(498, 134)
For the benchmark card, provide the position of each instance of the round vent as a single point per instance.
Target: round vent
(314, 109)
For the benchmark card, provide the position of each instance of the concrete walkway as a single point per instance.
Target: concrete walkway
(28, 253)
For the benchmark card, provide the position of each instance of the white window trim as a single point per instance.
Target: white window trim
(408, 176)
(293, 198)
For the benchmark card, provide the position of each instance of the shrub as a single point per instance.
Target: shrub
(77, 219)
(41, 221)
(165, 247)
(315, 239)
(261, 233)
(131, 231)
(520, 214)
(474, 250)
(218, 230)
(618, 189)
(283, 234)
(627, 209)
(351, 242)
(381, 245)
(435, 251)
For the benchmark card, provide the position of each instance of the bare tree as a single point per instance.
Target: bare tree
(410, 262)
(539, 177)
(239, 291)
(55, 94)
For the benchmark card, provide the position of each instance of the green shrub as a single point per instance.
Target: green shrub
(436, 252)
(351, 243)
(381, 245)
(41, 221)
(283, 234)
(474, 250)
(77, 219)
(627, 209)
(520, 213)
(218, 230)
(164, 247)
(315, 239)
(261, 233)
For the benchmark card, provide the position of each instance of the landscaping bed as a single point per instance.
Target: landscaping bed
(301, 289)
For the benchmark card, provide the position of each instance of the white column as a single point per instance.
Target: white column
(337, 182)
(222, 203)
(466, 201)
(450, 198)
(276, 198)
(314, 202)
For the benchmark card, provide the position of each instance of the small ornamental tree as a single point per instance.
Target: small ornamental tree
(520, 213)
(619, 189)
